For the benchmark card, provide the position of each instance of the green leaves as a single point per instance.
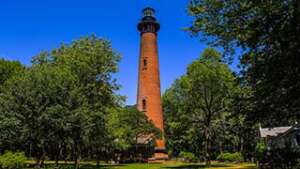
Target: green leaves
(265, 35)
(210, 83)
(66, 105)
(127, 124)
(8, 69)
(197, 101)
(36, 100)
(10, 160)
(62, 101)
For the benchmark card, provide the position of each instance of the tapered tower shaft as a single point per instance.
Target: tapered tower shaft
(149, 94)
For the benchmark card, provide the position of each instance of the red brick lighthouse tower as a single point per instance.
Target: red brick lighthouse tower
(149, 96)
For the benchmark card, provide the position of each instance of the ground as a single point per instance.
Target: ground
(167, 165)
(186, 166)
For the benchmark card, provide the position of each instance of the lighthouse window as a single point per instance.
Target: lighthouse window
(145, 64)
(144, 105)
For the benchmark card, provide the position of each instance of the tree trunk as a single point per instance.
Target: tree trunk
(221, 147)
(97, 160)
(30, 150)
(77, 166)
(76, 156)
(207, 147)
(40, 160)
(98, 163)
(56, 161)
(43, 160)
(75, 161)
(242, 145)
(106, 156)
(38, 163)
(57, 155)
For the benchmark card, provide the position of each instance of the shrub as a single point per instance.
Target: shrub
(187, 156)
(10, 160)
(230, 157)
(260, 150)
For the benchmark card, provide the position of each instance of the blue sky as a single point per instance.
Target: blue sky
(30, 26)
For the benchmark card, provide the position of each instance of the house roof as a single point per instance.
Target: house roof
(273, 132)
(144, 139)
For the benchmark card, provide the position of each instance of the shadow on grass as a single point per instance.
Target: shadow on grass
(202, 166)
(84, 166)
(195, 166)
(100, 167)
(126, 166)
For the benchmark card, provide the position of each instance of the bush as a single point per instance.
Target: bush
(10, 160)
(187, 156)
(260, 150)
(230, 157)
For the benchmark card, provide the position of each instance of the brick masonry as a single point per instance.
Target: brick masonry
(149, 94)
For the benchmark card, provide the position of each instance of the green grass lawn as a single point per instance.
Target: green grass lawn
(166, 165)
(185, 166)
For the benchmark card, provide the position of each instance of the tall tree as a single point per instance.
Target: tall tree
(205, 93)
(8, 69)
(209, 85)
(180, 134)
(267, 32)
(67, 95)
(92, 61)
(34, 104)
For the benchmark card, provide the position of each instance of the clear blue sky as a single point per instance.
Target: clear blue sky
(30, 26)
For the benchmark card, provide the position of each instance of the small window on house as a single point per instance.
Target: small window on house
(144, 104)
(145, 64)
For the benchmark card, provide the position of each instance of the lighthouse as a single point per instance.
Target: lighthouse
(149, 94)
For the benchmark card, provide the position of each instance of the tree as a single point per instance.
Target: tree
(243, 127)
(127, 125)
(204, 94)
(92, 61)
(62, 101)
(209, 85)
(34, 104)
(65, 106)
(9, 69)
(267, 34)
(180, 134)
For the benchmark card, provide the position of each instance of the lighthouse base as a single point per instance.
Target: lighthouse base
(160, 155)
(158, 158)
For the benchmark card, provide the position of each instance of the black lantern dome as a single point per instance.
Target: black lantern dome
(148, 22)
